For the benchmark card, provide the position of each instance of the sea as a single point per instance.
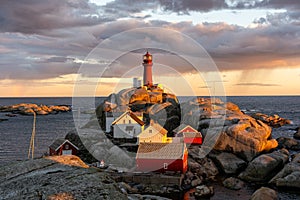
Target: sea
(15, 133)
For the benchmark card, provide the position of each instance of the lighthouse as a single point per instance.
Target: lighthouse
(147, 63)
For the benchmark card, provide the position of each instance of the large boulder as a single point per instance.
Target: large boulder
(228, 162)
(289, 176)
(48, 179)
(264, 193)
(265, 166)
(247, 138)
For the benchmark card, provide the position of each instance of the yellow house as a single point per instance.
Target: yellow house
(154, 133)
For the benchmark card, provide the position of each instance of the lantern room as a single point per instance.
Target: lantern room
(147, 58)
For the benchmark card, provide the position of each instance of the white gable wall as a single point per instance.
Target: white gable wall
(126, 127)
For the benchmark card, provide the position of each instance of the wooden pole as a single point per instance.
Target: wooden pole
(31, 146)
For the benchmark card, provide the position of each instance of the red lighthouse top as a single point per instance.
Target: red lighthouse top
(147, 58)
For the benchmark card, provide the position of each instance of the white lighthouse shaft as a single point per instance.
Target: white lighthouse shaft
(148, 74)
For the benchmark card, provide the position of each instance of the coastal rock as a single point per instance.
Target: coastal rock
(204, 191)
(297, 134)
(30, 109)
(233, 183)
(289, 176)
(47, 179)
(246, 139)
(273, 121)
(229, 163)
(264, 193)
(239, 133)
(265, 166)
(288, 143)
(204, 167)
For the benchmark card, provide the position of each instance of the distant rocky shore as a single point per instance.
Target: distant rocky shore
(30, 109)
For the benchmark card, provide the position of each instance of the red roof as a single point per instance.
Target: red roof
(186, 129)
(161, 151)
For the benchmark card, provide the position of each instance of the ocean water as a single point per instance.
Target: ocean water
(16, 132)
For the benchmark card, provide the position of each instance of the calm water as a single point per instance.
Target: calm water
(16, 132)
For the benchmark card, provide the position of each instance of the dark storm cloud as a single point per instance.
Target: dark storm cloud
(44, 39)
(36, 16)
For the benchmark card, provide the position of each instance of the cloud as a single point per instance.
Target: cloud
(257, 84)
(45, 39)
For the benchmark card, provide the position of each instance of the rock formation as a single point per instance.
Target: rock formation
(264, 167)
(153, 102)
(273, 121)
(289, 176)
(29, 109)
(239, 133)
(47, 179)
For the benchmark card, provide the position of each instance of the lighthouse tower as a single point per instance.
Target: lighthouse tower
(147, 63)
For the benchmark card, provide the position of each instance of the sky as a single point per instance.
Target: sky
(254, 44)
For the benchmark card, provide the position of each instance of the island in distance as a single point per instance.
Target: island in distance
(30, 109)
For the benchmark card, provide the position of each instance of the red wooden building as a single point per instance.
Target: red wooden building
(62, 146)
(162, 157)
(189, 134)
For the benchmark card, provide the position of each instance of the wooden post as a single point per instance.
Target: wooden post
(31, 145)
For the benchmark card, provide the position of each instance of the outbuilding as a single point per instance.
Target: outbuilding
(161, 157)
(62, 146)
(189, 134)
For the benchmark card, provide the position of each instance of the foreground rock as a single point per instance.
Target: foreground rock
(47, 179)
(289, 176)
(273, 121)
(204, 191)
(233, 183)
(265, 166)
(297, 134)
(264, 193)
(229, 163)
(30, 109)
(288, 143)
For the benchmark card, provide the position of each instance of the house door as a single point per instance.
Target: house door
(67, 152)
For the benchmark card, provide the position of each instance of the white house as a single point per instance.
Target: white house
(128, 125)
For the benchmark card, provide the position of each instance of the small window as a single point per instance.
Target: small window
(165, 165)
(150, 130)
(66, 146)
(129, 121)
(124, 121)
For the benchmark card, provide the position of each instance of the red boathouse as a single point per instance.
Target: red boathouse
(189, 134)
(162, 157)
(62, 146)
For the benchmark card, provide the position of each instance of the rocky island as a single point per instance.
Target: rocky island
(234, 156)
(30, 109)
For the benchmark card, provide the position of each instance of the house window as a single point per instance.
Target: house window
(165, 165)
(66, 146)
(129, 121)
(124, 121)
(150, 130)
